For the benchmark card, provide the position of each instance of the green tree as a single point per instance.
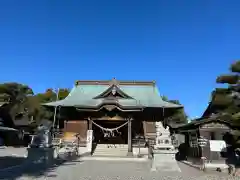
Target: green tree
(48, 96)
(178, 115)
(20, 102)
(229, 98)
(16, 95)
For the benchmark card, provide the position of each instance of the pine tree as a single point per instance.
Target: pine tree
(229, 96)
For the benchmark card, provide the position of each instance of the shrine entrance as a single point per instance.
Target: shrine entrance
(110, 132)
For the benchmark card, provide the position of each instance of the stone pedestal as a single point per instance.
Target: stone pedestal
(164, 160)
(165, 155)
(164, 152)
(130, 154)
(41, 155)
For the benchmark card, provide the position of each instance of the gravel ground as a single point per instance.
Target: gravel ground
(101, 170)
(111, 170)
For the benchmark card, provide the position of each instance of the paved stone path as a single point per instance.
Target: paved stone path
(108, 170)
(116, 170)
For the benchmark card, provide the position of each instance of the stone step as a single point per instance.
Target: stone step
(103, 147)
(115, 158)
(104, 150)
(110, 154)
(111, 150)
(112, 146)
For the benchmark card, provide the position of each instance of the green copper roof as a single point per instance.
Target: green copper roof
(143, 96)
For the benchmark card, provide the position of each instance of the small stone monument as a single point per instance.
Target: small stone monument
(41, 147)
(43, 137)
(163, 138)
(163, 151)
(89, 141)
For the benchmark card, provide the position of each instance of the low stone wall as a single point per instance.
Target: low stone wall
(143, 151)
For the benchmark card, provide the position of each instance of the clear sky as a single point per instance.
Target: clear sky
(182, 44)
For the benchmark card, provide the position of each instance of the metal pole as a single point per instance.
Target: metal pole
(139, 150)
(130, 153)
(55, 110)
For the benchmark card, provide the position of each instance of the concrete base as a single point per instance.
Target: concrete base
(162, 147)
(164, 160)
(143, 151)
(215, 166)
(130, 154)
(129, 159)
(39, 155)
(159, 151)
(164, 155)
(84, 151)
(208, 166)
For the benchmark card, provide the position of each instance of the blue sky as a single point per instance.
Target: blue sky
(182, 44)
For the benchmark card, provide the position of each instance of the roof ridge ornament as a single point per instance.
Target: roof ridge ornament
(113, 82)
(114, 90)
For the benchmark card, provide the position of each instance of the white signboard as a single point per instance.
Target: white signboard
(89, 140)
(217, 145)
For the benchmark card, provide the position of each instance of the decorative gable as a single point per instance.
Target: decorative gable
(214, 125)
(113, 92)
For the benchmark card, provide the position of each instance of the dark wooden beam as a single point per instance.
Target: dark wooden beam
(89, 123)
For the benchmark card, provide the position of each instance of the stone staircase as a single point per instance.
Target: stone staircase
(111, 150)
(150, 132)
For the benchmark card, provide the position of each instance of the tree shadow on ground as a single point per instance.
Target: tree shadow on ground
(34, 170)
(10, 161)
(181, 155)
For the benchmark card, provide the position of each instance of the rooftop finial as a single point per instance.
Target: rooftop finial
(76, 83)
(113, 82)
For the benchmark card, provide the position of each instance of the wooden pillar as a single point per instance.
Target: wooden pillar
(130, 151)
(89, 124)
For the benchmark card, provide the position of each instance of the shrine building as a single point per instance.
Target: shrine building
(117, 112)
